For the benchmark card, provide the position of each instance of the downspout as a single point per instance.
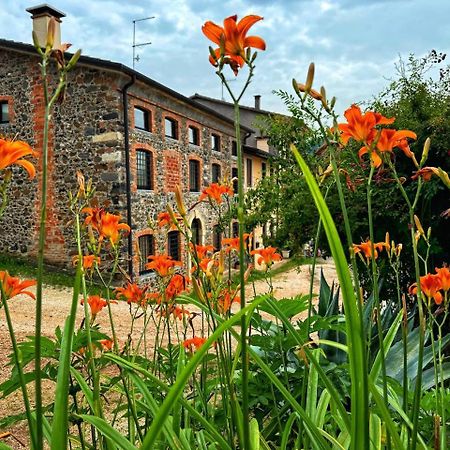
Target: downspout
(128, 172)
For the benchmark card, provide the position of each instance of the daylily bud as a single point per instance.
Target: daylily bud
(73, 60)
(179, 200)
(222, 45)
(221, 267)
(36, 44)
(333, 102)
(254, 56)
(295, 86)
(213, 54)
(173, 218)
(387, 242)
(426, 149)
(419, 225)
(443, 176)
(428, 233)
(248, 54)
(198, 292)
(398, 250)
(51, 30)
(323, 94)
(309, 78)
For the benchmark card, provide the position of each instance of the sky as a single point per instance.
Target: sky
(354, 44)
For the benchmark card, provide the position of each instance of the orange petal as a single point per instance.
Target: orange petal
(246, 23)
(29, 167)
(255, 42)
(376, 160)
(213, 32)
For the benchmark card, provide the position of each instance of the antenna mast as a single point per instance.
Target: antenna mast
(136, 57)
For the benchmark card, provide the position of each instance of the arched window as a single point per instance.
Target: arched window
(196, 229)
(144, 169)
(173, 245)
(146, 248)
(142, 119)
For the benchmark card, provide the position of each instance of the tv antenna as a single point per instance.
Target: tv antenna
(136, 57)
(223, 82)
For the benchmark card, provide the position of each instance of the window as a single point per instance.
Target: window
(215, 142)
(171, 128)
(173, 245)
(194, 175)
(146, 248)
(234, 176)
(216, 238)
(215, 173)
(249, 172)
(194, 136)
(141, 119)
(263, 170)
(234, 149)
(196, 229)
(4, 112)
(144, 165)
(235, 229)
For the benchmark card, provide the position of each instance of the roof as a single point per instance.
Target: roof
(45, 8)
(257, 152)
(223, 102)
(123, 69)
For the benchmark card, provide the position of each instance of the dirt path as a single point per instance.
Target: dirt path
(56, 307)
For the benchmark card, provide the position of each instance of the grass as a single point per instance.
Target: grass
(27, 268)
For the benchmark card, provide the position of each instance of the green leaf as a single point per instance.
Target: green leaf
(290, 306)
(254, 435)
(354, 323)
(108, 431)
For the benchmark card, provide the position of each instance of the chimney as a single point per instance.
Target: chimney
(257, 102)
(41, 15)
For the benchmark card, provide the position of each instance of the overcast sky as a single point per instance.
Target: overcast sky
(354, 44)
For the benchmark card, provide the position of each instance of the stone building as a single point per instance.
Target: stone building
(136, 138)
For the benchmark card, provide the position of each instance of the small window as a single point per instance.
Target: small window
(141, 119)
(249, 172)
(144, 165)
(215, 142)
(216, 237)
(196, 230)
(235, 229)
(4, 112)
(194, 175)
(234, 176)
(234, 149)
(194, 136)
(215, 173)
(263, 170)
(173, 245)
(171, 128)
(146, 248)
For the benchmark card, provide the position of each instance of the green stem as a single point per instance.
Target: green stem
(18, 364)
(376, 293)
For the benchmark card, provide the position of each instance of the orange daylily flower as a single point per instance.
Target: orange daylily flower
(427, 172)
(233, 40)
(366, 248)
(94, 218)
(197, 342)
(165, 219)
(387, 141)
(12, 152)
(107, 344)
(88, 261)
(361, 127)
(110, 227)
(96, 303)
(225, 300)
(214, 192)
(163, 264)
(267, 255)
(233, 243)
(132, 293)
(430, 285)
(201, 250)
(176, 286)
(444, 275)
(12, 286)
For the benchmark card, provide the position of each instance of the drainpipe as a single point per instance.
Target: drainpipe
(128, 171)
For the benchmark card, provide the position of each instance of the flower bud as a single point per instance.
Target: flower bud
(309, 78)
(295, 86)
(51, 30)
(213, 54)
(419, 225)
(426, 149)
(198, 292)
(73, 60)
(179, 200)
(323, 94)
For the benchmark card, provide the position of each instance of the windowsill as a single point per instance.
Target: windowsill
(143, 129)
(194, 145)
(171, 138)
(145, 190)
(215, 150)
(194, 192)
(147, 275)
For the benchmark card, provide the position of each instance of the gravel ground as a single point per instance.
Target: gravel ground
(56, 306)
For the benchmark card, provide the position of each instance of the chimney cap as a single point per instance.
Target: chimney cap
(43, 9)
